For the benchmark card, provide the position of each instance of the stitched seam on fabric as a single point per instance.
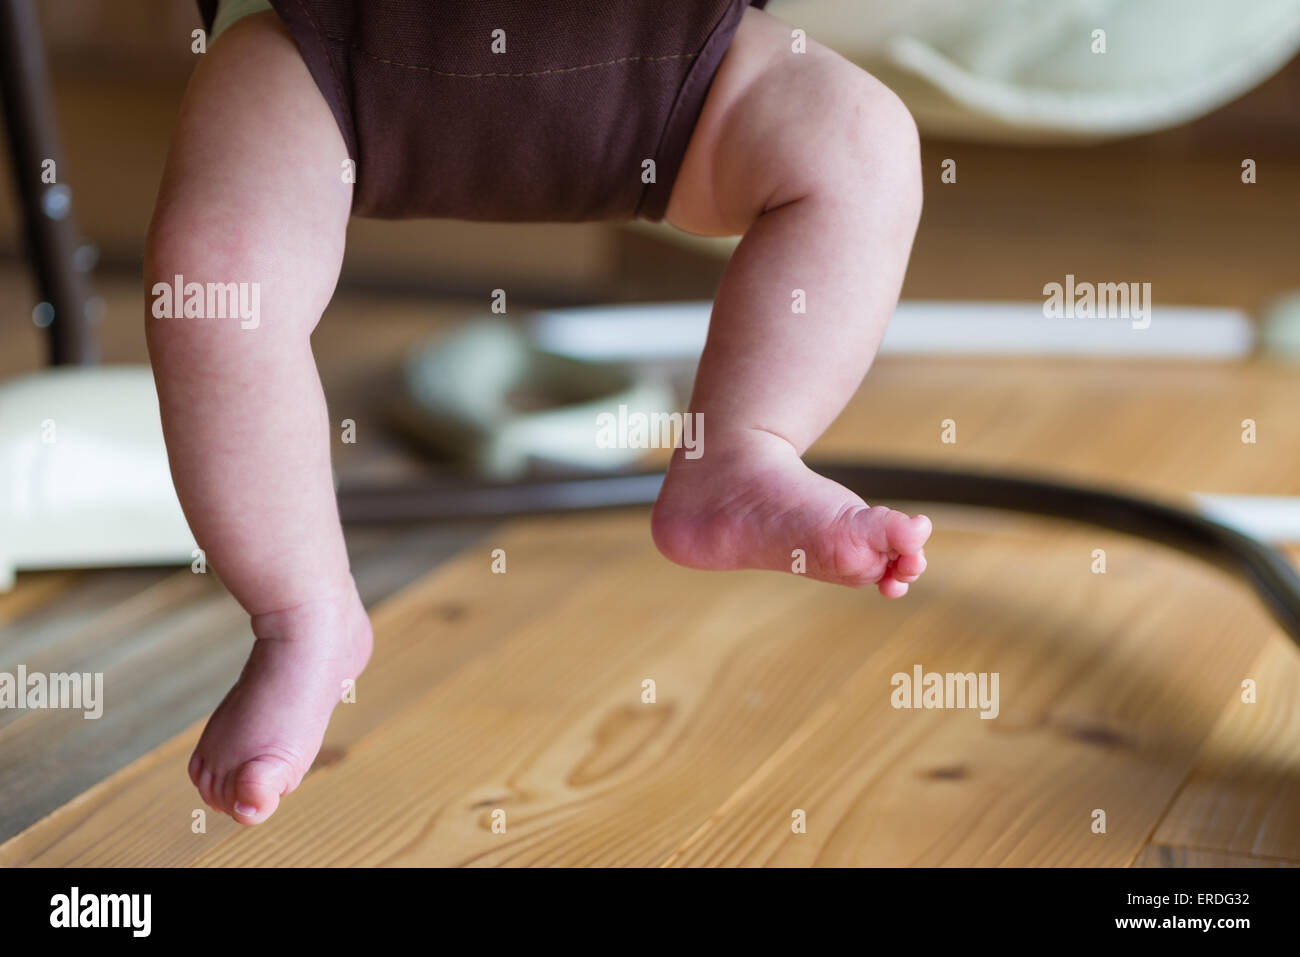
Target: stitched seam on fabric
(329, 61)
(476, 76)
(682, 92)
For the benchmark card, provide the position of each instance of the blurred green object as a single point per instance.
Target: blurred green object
(1279, 326)
(486, 396)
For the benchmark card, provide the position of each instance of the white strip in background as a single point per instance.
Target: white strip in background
(676, 330)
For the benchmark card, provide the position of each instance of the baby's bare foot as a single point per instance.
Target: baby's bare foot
(263, 737)
(754, 504)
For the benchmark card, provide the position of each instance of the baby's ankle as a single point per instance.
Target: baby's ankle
(737, 447)
(334, 611)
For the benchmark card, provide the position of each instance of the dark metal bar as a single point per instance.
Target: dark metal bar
(447, 500)
(1263, 568)
(52, 237)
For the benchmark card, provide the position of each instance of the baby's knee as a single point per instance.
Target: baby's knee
(874, 155)
(857, 152)
(187, 240)
(219, 269)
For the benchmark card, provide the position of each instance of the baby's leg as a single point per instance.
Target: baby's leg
(818, 165)
(253, 194)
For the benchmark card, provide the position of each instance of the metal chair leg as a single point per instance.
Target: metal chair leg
(53, 240)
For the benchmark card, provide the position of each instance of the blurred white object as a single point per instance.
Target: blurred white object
(676, 330)
(84, 479)
(1273, 519)
(1026, 69)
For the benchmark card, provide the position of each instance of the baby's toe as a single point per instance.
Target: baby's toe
(907, 534)
(205, 786)
(891, 587)
(257, 787)
(908, 568)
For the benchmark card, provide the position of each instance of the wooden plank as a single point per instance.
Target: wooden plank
(1105, 692)
(551, 727)
(1244, 796)
(34, 590)
(164, 650)
(461, 626)
(1162, 428)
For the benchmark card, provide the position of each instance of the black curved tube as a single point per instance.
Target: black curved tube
(1263, 568)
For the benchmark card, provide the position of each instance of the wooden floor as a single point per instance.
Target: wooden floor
(522, 692)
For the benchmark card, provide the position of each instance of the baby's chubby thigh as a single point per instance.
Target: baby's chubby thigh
(255, 184)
